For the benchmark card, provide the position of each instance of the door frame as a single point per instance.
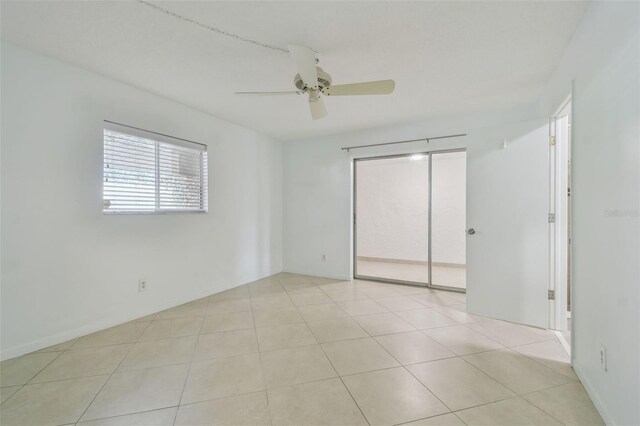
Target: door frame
(559, 206)
(354, 197)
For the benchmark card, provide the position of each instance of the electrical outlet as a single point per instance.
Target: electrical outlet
(323, 258)
(603, 358)
(142, 285)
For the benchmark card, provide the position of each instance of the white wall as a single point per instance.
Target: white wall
(67, 269)
(603, 60)
(393, 204)
(317, 181)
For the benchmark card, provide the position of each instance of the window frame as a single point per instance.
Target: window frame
(167, 139)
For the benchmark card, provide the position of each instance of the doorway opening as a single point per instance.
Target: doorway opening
(410, 218)
(560, 226)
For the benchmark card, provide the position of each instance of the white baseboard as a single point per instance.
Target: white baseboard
(318, 274)
(92, 327)
(595, 398)
(566, 345)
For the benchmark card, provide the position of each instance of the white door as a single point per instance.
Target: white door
(507, 207)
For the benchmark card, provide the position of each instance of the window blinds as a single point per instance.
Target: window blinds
(145, 172)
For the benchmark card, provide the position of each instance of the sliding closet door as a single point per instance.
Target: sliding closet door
(391, 218)
(448, 219)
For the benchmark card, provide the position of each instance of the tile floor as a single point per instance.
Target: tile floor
(446, 276)
(300, 350)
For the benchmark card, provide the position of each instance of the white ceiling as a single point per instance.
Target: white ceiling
(446, 57)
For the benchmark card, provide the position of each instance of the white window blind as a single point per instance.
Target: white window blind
(145, 172)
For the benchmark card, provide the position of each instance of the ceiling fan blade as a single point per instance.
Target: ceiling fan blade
(269, 93)
(318, 110)
(381, 87)
(306, 62)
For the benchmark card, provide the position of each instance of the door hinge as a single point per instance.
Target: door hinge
(551, 295)
(354, 218)
(551, 218)
(552, 140)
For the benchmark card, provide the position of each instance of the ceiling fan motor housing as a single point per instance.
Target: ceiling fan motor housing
(324, 80)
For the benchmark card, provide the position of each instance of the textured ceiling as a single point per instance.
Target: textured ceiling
(446, 57)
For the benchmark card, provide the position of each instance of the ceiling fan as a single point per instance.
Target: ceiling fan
(313, 81)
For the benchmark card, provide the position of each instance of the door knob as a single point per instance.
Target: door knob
(471, 231)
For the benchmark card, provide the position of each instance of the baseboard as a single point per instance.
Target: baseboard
(593, 395)
(566, 345)
(93, 327)
(318, 274)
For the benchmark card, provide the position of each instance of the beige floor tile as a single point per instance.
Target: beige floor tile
(291, 366)
(19, 370)
(392, 396)
(298, 285)
(509, 412)
(362, 307)
(425, 318)
(51, 403)
(339, 286)
(321, 312)
(381, 292)
(569, 403)
(413, 347)
(5, 393)
(357, 356)
(245, 410)
(309, 289)
(460, 316)
(386, 323)
(273, 317)
(271, 301)
(163, 329)
(219, 378)
(336, 329)
(227, 322)
(443, 420)
(128, 332)
(224, 306)
(226, 344)
(284, 336)
(266, 288)
(86, 362)
(229, 377)
(324, 280)
(191, 309)
(434, 298)
(459, 297)
(462, 340)
(515, 371)
(241, 292)
(510, 334)
(162, 417)
(459, 384)
(346, 294)
(409, 290)
(59, 347)
(302, 299)
(320, 403)
(551, 354)
(140, 390)
(156, 353)
(399, 303)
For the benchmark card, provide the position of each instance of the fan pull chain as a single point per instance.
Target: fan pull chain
(214, 29)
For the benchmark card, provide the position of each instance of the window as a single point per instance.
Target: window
(146, 172)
